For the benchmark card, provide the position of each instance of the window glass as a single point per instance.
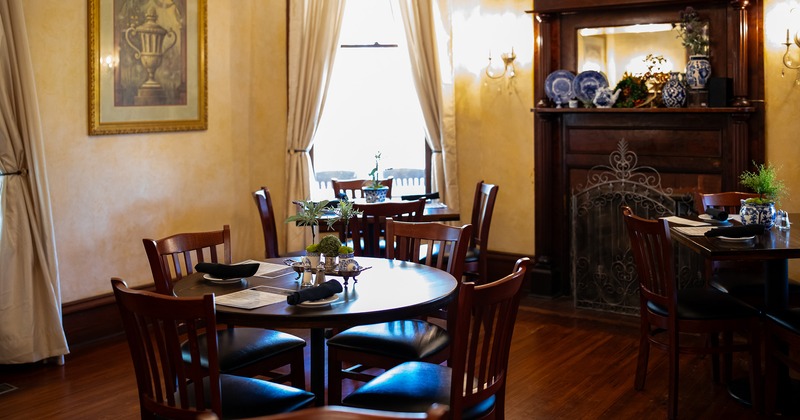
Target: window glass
(371, 105)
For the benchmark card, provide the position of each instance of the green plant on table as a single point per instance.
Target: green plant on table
(343, 214)
(308, 214)
(344, 250)
(764, 182)
(329, 245)
(374, 173)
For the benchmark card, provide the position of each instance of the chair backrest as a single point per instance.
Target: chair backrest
(264, 206)
(431, 243)
(728, 201)
(368, 231)
(352, 187)
(482, 209)
(484, 325)
(156, 326)
(175, 256)
(652, 252)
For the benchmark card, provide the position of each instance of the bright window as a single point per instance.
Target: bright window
(371, 105)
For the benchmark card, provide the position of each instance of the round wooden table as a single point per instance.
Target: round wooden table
(389, 290)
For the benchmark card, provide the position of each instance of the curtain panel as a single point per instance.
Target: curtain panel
(30, 295)
(314, 27)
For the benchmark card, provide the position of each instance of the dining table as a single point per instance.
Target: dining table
(775, 247)
(385, 290)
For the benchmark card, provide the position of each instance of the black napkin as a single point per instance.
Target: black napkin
(327, 289)
(736, 231)
(225, 271)
(717, 214)
(431, 196)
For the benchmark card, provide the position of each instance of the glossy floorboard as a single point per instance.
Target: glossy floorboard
(565, 364)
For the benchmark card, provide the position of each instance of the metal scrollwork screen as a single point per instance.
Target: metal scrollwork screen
(603, 271)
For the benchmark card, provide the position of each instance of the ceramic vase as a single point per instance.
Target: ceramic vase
(375, 195)
(698, 70)
(673, 94)
(347, 262)
(753, 214)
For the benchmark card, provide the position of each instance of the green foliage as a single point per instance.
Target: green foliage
(308, 215)
(329, 245)
(692, 31)
(374, 173)
(764, 182)
(633, 91)
(344, 249)
(312, 248)
(344, 213)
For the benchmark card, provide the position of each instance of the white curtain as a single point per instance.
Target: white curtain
(313, 36)
(30, 297)
(428, 36)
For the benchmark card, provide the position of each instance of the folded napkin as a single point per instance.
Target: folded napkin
(327, 289)
(431, 196)
(736, 231)
(717, 214)
(226, 271)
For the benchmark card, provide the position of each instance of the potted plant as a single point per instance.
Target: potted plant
(343, 214)
(329, 247)
(375, 192)
(308, 214)
(347, 261)
(694, 36)
(312, 256)
(764, 182)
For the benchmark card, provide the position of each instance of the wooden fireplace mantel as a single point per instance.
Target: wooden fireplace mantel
(694, 149)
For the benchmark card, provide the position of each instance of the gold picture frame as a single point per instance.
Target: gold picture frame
(147, 66)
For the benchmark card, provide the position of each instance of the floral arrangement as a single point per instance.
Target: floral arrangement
(764, 182)
(692, 32)
(374, 173)
(633, 91)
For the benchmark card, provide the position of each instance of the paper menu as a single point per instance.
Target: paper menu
(249, 299)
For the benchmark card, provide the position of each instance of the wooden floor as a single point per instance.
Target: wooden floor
(565, 364)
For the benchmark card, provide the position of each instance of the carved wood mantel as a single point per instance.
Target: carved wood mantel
(695, 149)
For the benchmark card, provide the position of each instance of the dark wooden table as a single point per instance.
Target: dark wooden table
(774, 247)
(390, 290)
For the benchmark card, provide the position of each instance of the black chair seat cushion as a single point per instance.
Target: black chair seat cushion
(789, 319)
(412, 387)
(248, 397)
(239, 347)
(706, 304)
(410, 339)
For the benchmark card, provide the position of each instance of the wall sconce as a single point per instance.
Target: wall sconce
(508, 66)
(788, 63)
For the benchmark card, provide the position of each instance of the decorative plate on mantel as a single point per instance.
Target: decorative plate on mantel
(558, 87)
(586, 84)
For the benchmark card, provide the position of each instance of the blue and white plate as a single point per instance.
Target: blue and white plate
(586, 84)
(558, 86)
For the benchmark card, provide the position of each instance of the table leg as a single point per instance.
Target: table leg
(777, 291)
(318, 365)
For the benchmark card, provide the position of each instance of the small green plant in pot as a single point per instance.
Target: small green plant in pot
(308, 214)
(375, 192)
(764, 182)
(329, 247)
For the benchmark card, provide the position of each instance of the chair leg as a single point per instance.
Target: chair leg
(334, 377)
(756, 394)
(644, 355)
(298, 374)
(727, 357)
(771, 374)
(672, 400)
(713, 342)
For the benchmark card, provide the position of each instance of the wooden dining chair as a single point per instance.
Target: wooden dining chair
(436, 412)
(782, 346)
(475, 264)
(368, 231)
(666, 312)
(473, 384)
(352, 187)
(388, 344)
(267, 215)
(244, 351)
(176, 384)
(742, 279)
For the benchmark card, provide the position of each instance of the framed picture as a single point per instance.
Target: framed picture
(147, 66)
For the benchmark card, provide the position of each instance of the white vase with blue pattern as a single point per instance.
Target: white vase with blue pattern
(698, 70)
(673, 94)
(757, 214)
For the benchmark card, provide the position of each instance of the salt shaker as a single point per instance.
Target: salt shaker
(307, 279)
(320, 273)
(782, 220)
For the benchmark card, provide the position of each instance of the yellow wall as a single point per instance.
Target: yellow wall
(109, 192)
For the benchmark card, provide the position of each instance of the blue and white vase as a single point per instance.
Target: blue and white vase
(375, 195)
(757, 214)
(698, 70)
(673, 94)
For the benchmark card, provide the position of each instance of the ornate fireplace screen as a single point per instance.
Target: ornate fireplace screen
(603, 272)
